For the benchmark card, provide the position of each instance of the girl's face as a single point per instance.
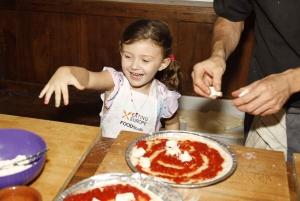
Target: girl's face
(140, 62)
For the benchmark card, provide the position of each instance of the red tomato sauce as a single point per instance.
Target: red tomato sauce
(108, 193)
(177, 171)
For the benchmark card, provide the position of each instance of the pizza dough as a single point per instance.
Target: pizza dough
(211, 122)
(169, 167)
(189, 116)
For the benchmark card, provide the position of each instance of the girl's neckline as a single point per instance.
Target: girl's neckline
(131, 98)
(142, 91)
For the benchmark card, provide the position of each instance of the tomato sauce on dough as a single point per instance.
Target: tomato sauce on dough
(171, 168)
(109, 193)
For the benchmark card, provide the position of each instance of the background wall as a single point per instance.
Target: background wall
(38, 36)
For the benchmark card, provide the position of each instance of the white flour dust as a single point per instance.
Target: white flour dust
(248, 155)
(10, 169)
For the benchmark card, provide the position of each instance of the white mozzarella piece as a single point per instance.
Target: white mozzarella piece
(213, 92)
(185, 157)
(137, 153)
(144, 162)
(125, 197)
(172, 148)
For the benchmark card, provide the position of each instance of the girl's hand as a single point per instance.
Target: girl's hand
(59, 84)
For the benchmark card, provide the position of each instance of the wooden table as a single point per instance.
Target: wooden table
(260, 174)
(265, 177)
(296, 165)
(68, 143)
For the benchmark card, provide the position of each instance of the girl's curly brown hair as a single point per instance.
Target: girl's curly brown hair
(159, 32)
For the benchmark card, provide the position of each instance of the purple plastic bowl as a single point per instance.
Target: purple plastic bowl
(15, 142)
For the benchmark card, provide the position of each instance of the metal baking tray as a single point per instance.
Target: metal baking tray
(178, 133)
(162, 190)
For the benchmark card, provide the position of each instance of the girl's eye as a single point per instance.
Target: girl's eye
(144, 60)
(127, 56)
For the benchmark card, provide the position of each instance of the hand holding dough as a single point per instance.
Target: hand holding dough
(243, 92)
(213, 92)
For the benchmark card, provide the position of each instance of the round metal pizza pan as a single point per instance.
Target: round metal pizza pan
(178, 133)
(148, 183)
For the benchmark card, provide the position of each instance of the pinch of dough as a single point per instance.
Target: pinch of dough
(213, 92)
(243, 92)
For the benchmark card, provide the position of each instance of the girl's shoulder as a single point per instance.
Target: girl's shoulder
(117, 76)
(163, 93)
(167, 100)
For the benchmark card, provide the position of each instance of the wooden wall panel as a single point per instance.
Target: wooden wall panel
(8, 49)
(194, 47)
(38, 36)
(100, 41)
(39, 42)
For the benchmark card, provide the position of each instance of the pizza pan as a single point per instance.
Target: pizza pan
(178, 133)
(148, 183)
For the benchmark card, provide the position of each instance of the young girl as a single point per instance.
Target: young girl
(135, 99)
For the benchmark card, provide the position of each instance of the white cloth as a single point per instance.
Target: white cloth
(160, 98)
(122, 113)
(269, 132)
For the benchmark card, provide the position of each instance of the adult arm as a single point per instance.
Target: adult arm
(226, 36)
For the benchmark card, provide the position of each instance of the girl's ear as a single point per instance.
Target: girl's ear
(164, 64)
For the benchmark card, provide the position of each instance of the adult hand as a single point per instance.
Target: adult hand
(208, 73)
(265, 96)
(59, 85)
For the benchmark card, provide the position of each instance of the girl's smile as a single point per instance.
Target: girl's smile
(136, 75)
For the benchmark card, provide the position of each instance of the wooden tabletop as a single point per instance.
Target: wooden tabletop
(260, 174)
(68, 143)
(90, 165)
(296, 165)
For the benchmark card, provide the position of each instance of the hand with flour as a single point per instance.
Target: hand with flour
(265, 96)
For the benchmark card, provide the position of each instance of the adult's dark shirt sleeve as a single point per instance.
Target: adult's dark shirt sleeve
(233, 10)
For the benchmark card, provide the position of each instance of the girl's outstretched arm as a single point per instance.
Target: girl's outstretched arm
(79, 78)
(172, 123)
